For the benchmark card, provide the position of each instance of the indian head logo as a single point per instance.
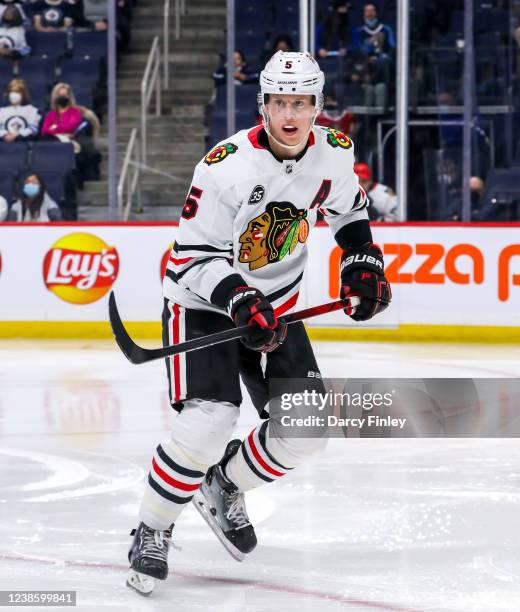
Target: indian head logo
(273, 234)
(220, 153)
(80, 268)
(337, 139)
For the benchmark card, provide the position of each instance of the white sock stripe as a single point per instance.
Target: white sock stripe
(264, 455)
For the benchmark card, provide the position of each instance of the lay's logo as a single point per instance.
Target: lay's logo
(80, 268)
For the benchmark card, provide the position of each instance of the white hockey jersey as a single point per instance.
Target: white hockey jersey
(248, 212)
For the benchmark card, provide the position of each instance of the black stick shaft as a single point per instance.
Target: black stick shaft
(137, 354)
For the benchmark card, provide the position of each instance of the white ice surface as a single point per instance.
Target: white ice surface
(372, 525)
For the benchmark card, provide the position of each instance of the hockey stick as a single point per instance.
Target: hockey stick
(137, 354)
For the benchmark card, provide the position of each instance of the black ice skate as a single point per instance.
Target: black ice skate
(222, 506)
(148, 557)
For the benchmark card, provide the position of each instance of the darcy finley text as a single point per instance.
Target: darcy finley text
(334, 421)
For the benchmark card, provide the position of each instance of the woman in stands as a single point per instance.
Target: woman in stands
(20, 120)
(69, 122)
(65, 115)
(34, 203)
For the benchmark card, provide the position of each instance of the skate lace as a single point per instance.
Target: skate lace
(237, 509)
(155, 544)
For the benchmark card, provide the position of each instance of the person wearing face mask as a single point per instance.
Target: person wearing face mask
(34, 203)
(13, 43)
(376, 40)
(69, 122)
(65, 116)
(333, 33)
(374, 37)
(5, 3)
(20, 120)
(52, 16)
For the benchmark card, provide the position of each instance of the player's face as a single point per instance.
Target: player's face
(253, 248)
(290, 117)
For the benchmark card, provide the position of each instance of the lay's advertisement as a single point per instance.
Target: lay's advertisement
(465, 275)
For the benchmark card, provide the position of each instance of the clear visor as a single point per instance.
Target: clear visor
(291, 107)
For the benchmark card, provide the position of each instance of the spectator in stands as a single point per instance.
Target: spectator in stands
(383, 201)
(333, 33)
(377, 41)
(52, 16)
(5, 3)
(243, 75)
(69, 122)
(65, 116)
(34, 203)
(96, 13)
(365, 77)
(283, 42)
(20, 120)
(13, 43)
(333, 117)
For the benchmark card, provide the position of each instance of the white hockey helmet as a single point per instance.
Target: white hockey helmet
(292, 73)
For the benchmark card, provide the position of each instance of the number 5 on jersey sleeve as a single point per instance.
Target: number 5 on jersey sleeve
(191, 206)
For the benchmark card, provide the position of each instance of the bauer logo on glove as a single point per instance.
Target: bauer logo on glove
(363, 276)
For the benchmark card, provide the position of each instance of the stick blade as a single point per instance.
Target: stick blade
(125, 343)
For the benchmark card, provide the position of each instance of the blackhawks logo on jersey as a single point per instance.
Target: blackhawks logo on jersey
(219, 153)
(337, 139)
(273, 235)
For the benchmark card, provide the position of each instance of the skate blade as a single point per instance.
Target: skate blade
(199, 501)
(141, 583)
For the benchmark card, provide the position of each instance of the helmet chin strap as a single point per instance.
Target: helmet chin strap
(265, 121)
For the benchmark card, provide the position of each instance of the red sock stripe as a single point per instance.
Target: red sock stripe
(171, 481)
(259, 458)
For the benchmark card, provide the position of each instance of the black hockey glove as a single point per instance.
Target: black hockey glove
(363, 275)
(248, 306)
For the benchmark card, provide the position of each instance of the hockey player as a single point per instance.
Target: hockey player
(238, 259)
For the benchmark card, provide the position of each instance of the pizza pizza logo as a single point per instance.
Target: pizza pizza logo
(337, 139)
(220, 153)
(273, 235)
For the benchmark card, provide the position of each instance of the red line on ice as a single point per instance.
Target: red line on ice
(263, 586)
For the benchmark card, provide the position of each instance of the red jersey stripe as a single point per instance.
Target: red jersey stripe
(178, 262)
(287, 305)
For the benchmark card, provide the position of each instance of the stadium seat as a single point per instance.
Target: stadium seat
(54, 183)
(13, 156)
(34, 69)
(8, 185)
(86, 67)
(50, 156)
(6, 74)
(90, 44)
(48, 44)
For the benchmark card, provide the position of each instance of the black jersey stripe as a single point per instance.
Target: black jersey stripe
(175, 466)
(252, 467)
(199, 262)
(261, 437)
(166, 494)
(204, 248)
(276, 295)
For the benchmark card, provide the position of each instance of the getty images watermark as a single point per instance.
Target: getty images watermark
(394, 408)
(337, 402)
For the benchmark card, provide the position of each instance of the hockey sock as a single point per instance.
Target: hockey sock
(255, 463)
(172, 482)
